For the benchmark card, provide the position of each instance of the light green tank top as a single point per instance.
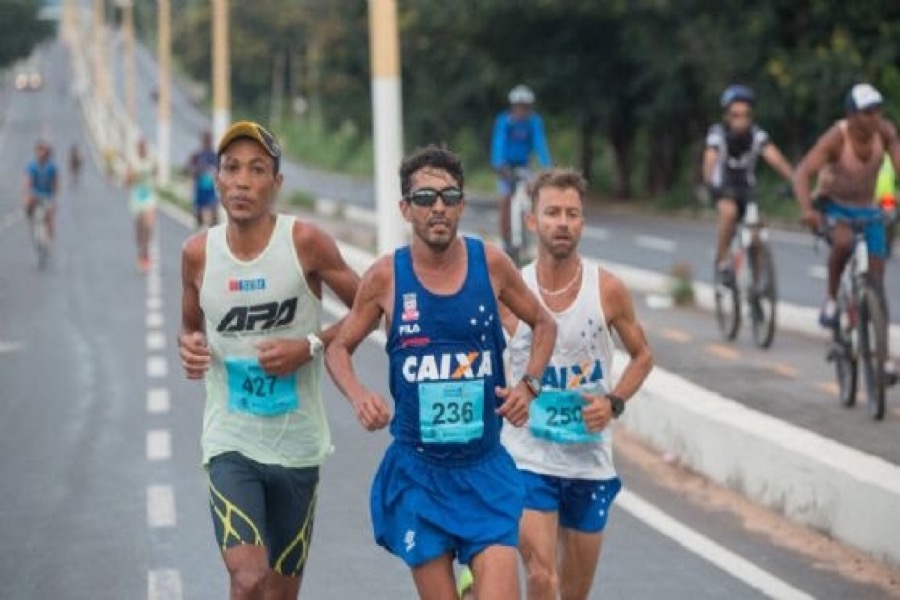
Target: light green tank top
(270, 420)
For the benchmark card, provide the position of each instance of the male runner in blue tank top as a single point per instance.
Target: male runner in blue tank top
(446, 487)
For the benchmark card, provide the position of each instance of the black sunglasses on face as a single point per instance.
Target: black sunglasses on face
(428, 196)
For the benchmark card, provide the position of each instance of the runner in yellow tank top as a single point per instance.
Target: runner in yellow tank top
(252, 291)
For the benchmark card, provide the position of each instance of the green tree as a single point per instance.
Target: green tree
(20, 29)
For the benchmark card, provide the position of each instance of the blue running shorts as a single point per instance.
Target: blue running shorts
(422, 509)
(876, 241)
(583, 504)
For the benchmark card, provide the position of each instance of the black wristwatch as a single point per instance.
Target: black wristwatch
(533, 384)
(617, 404)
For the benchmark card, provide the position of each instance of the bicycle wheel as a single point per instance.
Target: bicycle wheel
(763, 296)
(728, 309)
(872, 349)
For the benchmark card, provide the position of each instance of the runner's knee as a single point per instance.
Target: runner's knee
(248, 580)
(542, 577)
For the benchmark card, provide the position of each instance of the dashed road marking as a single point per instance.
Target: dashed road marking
(829, 387)
(784, 370)
(723, 352)
(658, 244)
(159, 444)
(158, 401)
(156, 340)
(676, 335)
(164, 584)
(154, 303)
(157, 367)
(818, 272)
(160, 506)
(155, 320)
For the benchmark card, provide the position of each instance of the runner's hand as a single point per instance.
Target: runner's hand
(515, 404)
(195, 356)
(372, 411)
(813, 219)
(597, 412)
(282, 357)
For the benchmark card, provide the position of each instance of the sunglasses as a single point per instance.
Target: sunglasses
(429, 196)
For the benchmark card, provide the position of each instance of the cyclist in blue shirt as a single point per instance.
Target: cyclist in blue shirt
(518, 132)
(41, 183)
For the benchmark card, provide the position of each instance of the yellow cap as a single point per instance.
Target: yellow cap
(255, 132)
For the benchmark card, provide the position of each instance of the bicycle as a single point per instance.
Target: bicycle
(521, 246)
(757, 282)
(40, 234)
(859, 339)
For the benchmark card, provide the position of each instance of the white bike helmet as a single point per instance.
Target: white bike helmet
(521, 94)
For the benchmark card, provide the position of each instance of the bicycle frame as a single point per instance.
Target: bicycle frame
(750, 231)
(518, 208)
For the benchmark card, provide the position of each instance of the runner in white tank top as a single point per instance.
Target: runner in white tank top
(251, 298)
(564, 452)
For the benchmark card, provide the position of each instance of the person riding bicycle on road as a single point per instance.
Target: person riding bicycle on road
(733, 147)
(847, 159)
(518, 132)
(41, 183)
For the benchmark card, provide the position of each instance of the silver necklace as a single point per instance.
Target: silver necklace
(563, 289)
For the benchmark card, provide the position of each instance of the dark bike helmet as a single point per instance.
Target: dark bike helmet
(737, 93)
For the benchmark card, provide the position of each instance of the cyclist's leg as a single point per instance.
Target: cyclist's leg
(727, 209)
(841, 239)
(50, 218)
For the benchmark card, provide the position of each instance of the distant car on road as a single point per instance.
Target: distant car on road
(28, 80)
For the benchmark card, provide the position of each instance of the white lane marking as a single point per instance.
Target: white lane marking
(160, 506)
(159, 444)
(154, 320)
(154, 286)
(154, 303)
(8, 347)
(11, 218)
(164, 584)
(600, 234)
(817, 272)
(157, 366)
(658, 244)
(158, 400)
(736, 566)
(156, 340)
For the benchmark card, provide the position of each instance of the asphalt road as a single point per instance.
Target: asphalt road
(102, 492)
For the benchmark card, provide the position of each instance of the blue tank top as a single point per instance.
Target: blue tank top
(446, 357)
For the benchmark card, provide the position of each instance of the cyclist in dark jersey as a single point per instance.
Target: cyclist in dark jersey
(733, 147)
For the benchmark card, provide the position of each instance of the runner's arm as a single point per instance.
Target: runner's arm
(619, 309)
(777, 161)
(325, 264)
(522, 303)
(194, 352)
(367, 309)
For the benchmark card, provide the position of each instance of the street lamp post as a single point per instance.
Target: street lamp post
(387, 120)
(221, 69)
(163, 107)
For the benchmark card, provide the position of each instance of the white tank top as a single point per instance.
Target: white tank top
(582, 360)
(272, 421)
